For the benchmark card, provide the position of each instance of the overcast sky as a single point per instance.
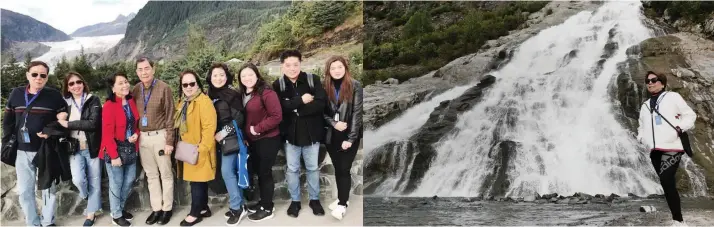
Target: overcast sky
(69, 15)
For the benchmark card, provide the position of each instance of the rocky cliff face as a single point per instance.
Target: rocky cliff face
(23, 30)
(686, 59)
(116, 27)
(69, 204)
(384, 102)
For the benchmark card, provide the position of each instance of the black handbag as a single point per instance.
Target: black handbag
(231, 144)
(683, 137)
(9, 151)
(127, 153)
(69, 144)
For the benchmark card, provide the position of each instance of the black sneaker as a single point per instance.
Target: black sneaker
(253, 208)
(89, 222)
(121, 222)
(261, 215)
(236, 216)
(126, 215)
(294, 209)
(317, 208)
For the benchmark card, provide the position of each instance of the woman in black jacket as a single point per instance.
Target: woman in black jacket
(343, 113)
(84, 123)
(229, 107)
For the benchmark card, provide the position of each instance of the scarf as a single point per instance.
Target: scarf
(180, 115)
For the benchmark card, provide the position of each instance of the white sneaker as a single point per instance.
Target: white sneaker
(339, 212)
(333, 205)
(678, 223)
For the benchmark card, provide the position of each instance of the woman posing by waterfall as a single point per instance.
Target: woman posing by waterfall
(663, 117)
(343, 113)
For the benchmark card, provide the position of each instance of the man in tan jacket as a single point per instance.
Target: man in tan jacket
(156, 107)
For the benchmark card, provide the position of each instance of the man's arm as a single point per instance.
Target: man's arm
(169, 110)
(317, 106)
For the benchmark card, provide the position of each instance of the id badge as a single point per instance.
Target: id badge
(25, 135)
(337, 117)
(658, 120)
(144, 121)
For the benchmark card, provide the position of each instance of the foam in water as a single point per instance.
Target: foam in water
(552, 100)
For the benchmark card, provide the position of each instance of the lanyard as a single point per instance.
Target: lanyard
(79, 107)
(146, 98)
(27, 103)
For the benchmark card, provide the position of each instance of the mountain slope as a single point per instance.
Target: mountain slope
(22, 28)
(159, 29)
(116, 27)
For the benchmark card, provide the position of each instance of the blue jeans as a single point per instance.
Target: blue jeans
(86, 175)
(229, 171)
(26, 183)
(120, 180)
(309, 154)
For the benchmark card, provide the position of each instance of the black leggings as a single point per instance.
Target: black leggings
(342, 161)
(666, 164)
(199, 198)
(262, 158)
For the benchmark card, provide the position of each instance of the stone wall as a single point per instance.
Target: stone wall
(70, 204)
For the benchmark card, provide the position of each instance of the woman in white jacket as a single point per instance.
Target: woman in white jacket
(656, 114)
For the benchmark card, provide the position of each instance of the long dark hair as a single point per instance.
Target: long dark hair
(346, 86)
(260, 84)
(110, 84)
(65, 87)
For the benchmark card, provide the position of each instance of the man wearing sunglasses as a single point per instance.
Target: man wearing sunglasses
(663, 118)
(156, 107)
(43, 105)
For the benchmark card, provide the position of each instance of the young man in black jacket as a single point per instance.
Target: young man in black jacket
(303, 101)
(27, 128)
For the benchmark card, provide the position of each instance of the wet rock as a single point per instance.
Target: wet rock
(600, 196)
(632, 196)
(553, 200)
(541, 201)
(328, 169)
(582, 195)
(391, 81)
(529, 198)
(549, 196)
(655, 196)
(563, 201)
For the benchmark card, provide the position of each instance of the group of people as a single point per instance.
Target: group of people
(143, 124)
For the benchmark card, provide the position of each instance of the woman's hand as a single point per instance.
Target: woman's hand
(346, 145)
(133, 138)
(43, 136)
(116, 162)
(341, 126)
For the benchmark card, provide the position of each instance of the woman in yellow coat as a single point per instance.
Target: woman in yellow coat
(195, 119)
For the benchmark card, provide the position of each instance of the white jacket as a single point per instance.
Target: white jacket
(673, 108)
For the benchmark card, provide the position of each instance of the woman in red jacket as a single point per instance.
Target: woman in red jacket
(262, 118)
(120, 136)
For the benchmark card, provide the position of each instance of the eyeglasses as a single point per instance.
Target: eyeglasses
(41, 75)
(79, 82)
(191, 84)
(653, 80)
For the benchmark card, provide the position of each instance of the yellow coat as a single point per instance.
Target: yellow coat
(201, 121)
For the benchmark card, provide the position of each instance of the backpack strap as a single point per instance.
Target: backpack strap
(281, 81)
(310, 81)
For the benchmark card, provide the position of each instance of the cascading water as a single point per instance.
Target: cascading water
(550, 115)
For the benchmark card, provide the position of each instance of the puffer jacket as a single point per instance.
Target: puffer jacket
(660, 135)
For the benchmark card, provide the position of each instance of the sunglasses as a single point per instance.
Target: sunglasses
(79, 82)
(41, 75)
(653, 80)
(185, 85)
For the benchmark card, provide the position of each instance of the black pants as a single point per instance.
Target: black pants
(342, 161)
(666, 165)
(199, 198)
(262, 158)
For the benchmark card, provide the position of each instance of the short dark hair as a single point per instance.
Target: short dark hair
(36, 63)
(229, 75)
(290, 53)
(660, 76)
(195, 75)
(65, 87)
(110, 83)
(143, 59)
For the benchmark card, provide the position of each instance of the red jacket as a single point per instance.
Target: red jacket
(114, 126)
(264, 113)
